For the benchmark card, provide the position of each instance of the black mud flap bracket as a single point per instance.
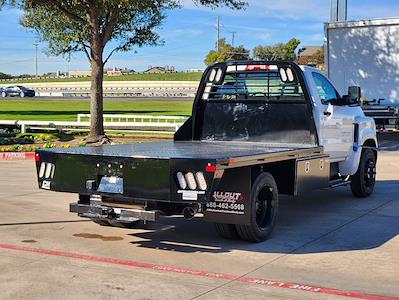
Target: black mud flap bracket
(110, 213)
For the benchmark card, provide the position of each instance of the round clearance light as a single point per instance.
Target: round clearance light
(290, 75)
(42, 169)
(49, 168)
(201, 181)
(283, 75)
(181, 180)
(218, 75)
(192, 184)
(212, 75)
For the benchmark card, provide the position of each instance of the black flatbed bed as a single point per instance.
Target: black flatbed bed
(230, 153)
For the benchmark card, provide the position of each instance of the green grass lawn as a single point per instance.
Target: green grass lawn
(61, 110)
(180, 76)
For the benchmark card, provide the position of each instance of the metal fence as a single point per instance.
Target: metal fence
(167, 124)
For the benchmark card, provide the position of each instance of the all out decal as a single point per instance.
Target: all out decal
(227, 202)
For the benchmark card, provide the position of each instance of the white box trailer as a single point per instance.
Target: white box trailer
(365, 53)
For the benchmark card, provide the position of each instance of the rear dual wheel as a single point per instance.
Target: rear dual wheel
(263, 209)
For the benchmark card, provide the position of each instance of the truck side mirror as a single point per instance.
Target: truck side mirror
(354, 95)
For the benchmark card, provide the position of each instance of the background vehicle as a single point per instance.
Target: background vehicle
(17, 91)
(386, 116)
(258, 129)
(366, 53)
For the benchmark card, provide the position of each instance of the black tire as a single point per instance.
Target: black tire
(227, 231)
(363, 182)
(22, 94)
(3, 94)
(263, 210)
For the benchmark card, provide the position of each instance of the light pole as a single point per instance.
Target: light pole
(68, 61)
(36, 46)
(233, 36)
(218, 33)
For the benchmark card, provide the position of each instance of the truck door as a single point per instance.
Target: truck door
(336, 121)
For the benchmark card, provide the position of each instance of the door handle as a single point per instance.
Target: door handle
(327, 113)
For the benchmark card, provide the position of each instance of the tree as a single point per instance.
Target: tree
(278, 51)
(5, 76)
(226, 52)
(91, 25)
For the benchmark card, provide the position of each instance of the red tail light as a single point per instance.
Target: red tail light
(37, 157)
(210, 168)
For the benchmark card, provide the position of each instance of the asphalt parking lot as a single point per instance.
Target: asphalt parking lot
(327, 245)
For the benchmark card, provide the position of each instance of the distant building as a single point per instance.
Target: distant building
(107, 71)
(79, 73)
(312, 56)
(160, 70)
(118, 71)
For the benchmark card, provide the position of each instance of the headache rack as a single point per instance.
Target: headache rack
(254, 102)
(254, 83)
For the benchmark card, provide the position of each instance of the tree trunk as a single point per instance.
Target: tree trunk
(97, 133)
(96, 104)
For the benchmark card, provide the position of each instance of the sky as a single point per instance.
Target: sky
(190, 32)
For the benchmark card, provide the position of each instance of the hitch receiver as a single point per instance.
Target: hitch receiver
(117, 214)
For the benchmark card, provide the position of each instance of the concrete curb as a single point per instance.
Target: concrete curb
(17, 155)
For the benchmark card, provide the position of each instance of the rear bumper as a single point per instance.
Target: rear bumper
(108, 213)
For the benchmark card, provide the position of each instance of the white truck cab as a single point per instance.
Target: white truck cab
(343, 130)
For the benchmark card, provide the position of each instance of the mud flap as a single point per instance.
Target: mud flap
(230, 200)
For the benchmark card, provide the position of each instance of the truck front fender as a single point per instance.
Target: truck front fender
(367, 132)
(366, 137)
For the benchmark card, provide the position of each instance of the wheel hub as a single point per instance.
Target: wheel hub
(264, 207)
(370, 173)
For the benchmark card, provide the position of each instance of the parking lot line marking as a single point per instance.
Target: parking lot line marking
(225, 276)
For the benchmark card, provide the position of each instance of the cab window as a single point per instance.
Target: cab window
(326, 91)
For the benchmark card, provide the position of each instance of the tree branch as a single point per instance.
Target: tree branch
(67, 12)
(96, 41)
(87, 46)
(86, 52)
(110, 26)
(109, 55)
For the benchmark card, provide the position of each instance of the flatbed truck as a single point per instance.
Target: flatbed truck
(258, 129)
